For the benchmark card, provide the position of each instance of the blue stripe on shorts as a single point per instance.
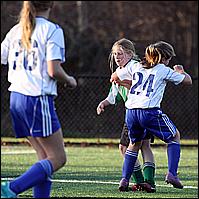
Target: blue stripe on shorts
(33, 115)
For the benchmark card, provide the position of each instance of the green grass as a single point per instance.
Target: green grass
(86, 165)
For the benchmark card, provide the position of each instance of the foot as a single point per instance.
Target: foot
(170, 178)
(6, 192)
(143, 187)
(136, 187)
(124, 185)
(148, 187)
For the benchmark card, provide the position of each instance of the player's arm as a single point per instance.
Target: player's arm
(122, 77)
(56, 71)
(55, 55)
(187, 80)
(126, 83)
(112, 98)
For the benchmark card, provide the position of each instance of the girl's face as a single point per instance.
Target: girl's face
(120, 56)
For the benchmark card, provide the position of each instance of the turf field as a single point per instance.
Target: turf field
(96, 172)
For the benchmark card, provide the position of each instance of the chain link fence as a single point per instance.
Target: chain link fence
(77, 109)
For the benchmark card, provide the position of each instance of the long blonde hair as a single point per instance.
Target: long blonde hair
(127, 46)
(27, 19)
(154, 53)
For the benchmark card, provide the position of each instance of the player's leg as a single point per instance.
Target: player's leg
(124, 140)
(42, 170)
(173, 154)
(54, 148)
(41, 190)
(163, 128)
(137, 176)
(149, 165)
(136, 134)
(26, 120)
(128, 165)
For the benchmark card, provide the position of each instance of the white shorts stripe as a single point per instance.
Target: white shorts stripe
(169, 125)
(46, 115)
(49, 124)
(43, 116)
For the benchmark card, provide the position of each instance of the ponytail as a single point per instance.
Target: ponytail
(27, 19)
(27, 22)
(154, 53)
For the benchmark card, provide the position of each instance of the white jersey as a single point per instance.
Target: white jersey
(148, 85)
(115, 89)
(28, 70)
(111, 98)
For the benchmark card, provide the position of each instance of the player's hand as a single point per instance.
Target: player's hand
(122, 149)
(72, 83)
(178, 68)
(100, 108)
(114, 78)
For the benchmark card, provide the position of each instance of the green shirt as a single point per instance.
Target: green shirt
(117, 93)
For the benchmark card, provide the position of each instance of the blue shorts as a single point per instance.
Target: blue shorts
(33, 115)
(149, 121)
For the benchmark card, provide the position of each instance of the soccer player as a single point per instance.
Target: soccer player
(149, 79)
(122, 53)
(34, 50)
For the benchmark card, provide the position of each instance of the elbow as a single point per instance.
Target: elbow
(190, 82)
(53, 74)
(187, 81)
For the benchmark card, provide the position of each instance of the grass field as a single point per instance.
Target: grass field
(96, 172)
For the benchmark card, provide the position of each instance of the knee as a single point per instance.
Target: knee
(178, 135)
(58, 161)
(145, 145)
(176, 138)
(135, 146)
(62, 160)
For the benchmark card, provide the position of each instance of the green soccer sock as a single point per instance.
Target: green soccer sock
(149, 173)
(137, 176)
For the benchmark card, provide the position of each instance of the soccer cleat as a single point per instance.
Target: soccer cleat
(170, 178)
(136, 187)
(124, 185)
(147, 187)
(143, 187)
(6, 192)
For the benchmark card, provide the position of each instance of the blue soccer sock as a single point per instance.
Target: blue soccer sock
(173, 153)
(129, 163)
(35, 175)
(43, 189)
